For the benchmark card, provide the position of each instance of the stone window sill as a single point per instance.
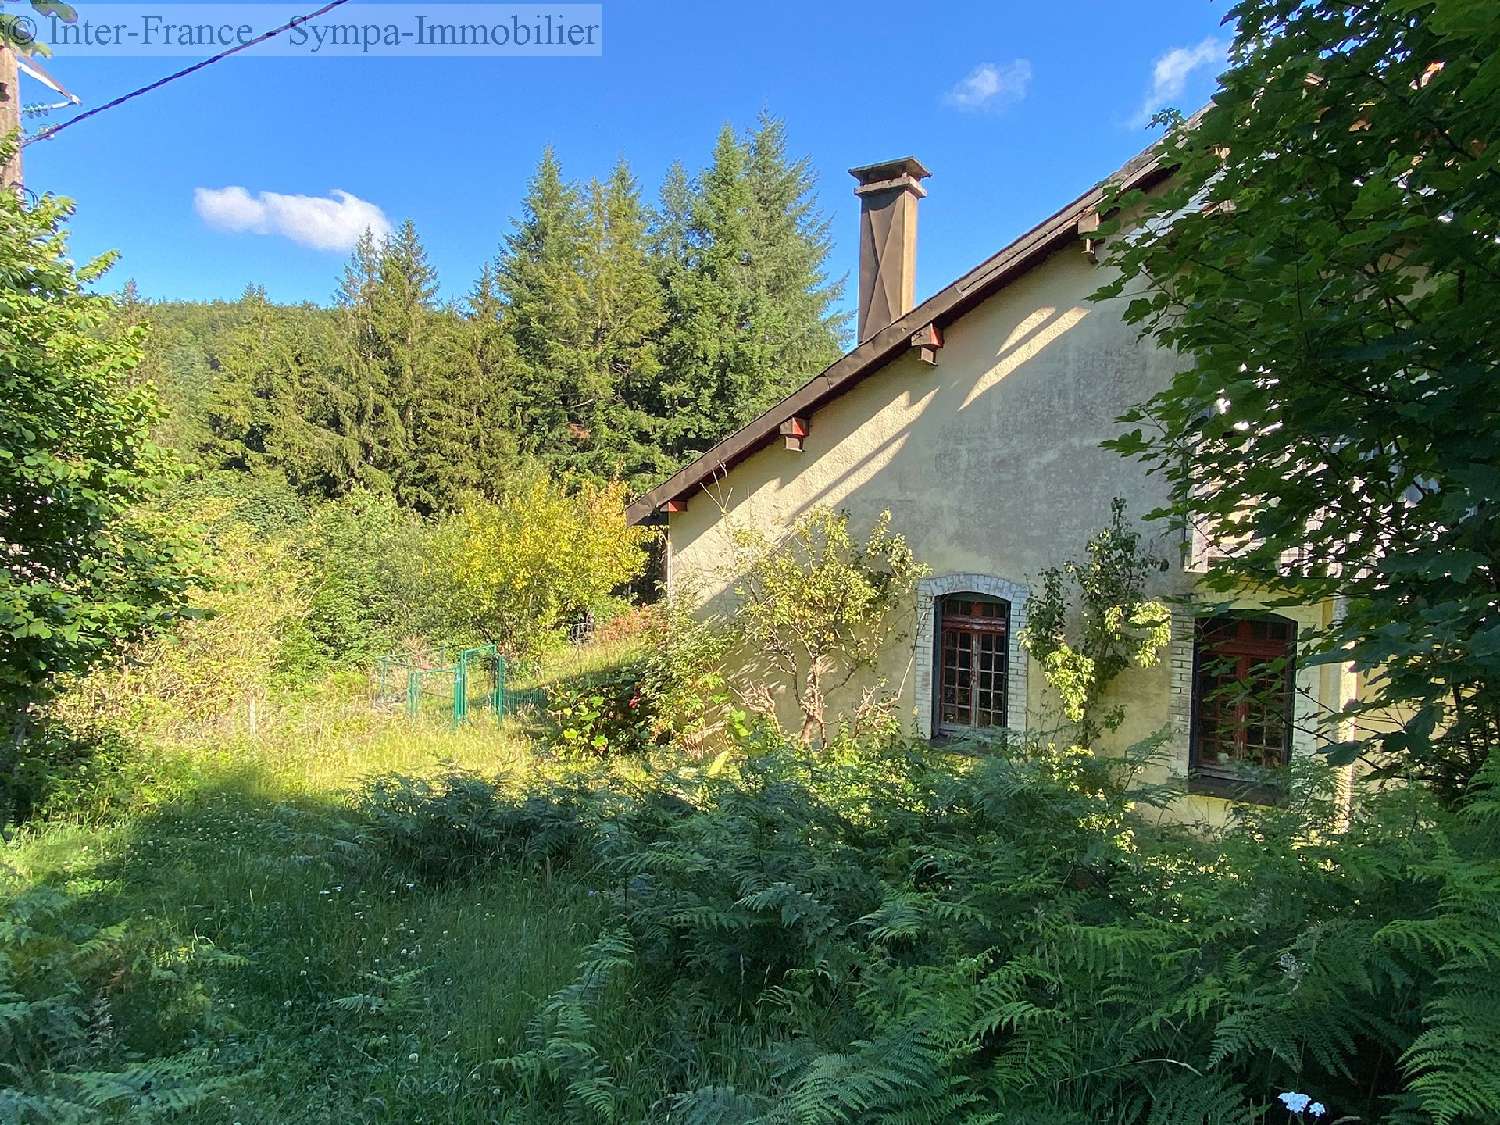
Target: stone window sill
(1246, 790)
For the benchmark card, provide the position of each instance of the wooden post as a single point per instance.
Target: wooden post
(10, 115)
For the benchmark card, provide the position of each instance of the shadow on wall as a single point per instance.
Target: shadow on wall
(989, 462)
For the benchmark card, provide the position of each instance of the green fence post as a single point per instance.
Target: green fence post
(497, 704)
(413, 692)
(460, 689)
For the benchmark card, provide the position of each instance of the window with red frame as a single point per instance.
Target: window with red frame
(974, 662)
(1242, 695)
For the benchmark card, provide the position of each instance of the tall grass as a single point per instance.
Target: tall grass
(259, 923)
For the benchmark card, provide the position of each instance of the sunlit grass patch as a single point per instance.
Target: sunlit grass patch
(257, 917)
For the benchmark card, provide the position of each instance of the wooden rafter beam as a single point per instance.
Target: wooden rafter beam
(795, 430)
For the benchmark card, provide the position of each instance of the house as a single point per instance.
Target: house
(976, 419)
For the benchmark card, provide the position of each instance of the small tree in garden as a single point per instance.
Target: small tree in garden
(1325, 257)
(687, 673)
(517, 567)
(1116, 625)
(82, 571)
(816, 610)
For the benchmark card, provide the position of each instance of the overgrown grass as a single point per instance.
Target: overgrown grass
(584, 660)
(261, 925)
(344, 917)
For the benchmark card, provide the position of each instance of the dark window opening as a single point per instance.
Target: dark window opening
(973, 661)
(1243, 692)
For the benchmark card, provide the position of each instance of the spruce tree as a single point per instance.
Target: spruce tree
(792, 244)
(539, 279)
(487, 383)
(714, 365)
(270, 410)
(672, 222)
(749, 306)
(424, 454)
(357, 386)
(623, 317)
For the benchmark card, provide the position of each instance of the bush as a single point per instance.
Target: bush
(63, 773)
(815, 610)
(685, 675)
(56, 1033)
(515, 570)
(885, 934)
(450, 826)
(365, 587)
(197, 680)
(603, 715)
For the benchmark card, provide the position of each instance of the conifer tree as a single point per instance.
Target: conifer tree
(713, 361)
(539, 279)
(671, 222)
(623, 317)
(358, 389)
(748, 303)
(488, 366)
(425, 457)
(793, 243)
(270, 409)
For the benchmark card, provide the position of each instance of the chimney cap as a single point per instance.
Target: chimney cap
(905, 172)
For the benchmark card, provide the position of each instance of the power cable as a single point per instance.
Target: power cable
(52, 131)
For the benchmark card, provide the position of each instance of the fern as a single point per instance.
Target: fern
(885, 934)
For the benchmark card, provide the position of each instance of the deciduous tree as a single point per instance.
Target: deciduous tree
(1325, 259)
(80, 572)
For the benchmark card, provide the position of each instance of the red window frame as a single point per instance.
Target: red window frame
(1244, 692)
(972, 686)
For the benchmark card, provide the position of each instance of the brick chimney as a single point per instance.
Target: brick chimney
(888, 194)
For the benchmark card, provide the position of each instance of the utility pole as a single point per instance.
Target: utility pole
(10, 115)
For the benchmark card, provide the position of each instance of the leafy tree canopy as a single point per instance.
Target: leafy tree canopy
(82, 572)
(1325, 260)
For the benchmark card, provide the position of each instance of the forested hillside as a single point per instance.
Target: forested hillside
(609, 338)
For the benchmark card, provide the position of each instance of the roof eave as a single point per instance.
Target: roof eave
(941, 309)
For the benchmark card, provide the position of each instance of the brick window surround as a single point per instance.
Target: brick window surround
(1180, 705)
(929, 590)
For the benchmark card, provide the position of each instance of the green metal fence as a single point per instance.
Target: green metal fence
(452, 683)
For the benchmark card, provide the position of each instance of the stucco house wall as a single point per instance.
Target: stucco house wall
(990, 465)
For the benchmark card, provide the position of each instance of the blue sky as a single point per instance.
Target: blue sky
(1016, 108)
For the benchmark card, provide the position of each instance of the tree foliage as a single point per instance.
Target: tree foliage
(750, 314)
(817, 610)
(515, 569)
(83, 571)
(606, 341)
(1325, 261)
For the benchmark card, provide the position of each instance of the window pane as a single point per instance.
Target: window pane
(1243, 693)
(971, 690)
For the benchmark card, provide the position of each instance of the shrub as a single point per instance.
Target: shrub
(198, 678)
(363, 583)
(60, 772)
(55, 1027)
(450, 826)
(817, 610)
(603, 715)
(686, 678)
(514, 570)
(901, 936)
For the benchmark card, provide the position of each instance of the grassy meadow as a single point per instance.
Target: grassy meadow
(258, 926)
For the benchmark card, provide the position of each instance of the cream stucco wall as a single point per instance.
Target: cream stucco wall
(989, 464)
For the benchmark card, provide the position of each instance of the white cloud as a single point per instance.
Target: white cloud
(1170, 72)
(331, 223)
(992, 85)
